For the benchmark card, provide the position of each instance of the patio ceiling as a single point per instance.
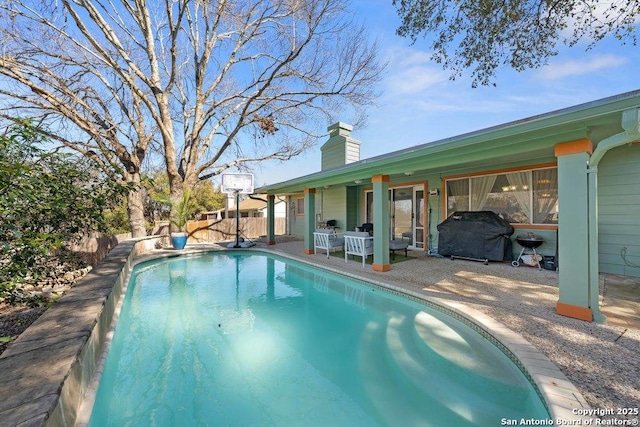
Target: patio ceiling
(527, 141)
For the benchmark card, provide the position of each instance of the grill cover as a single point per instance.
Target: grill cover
(482, 235)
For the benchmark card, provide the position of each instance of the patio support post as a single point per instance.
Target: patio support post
(271, 234)
(573, 229)
(381, 223)
(309, 218)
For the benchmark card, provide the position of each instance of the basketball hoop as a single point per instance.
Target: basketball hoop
(236, 183)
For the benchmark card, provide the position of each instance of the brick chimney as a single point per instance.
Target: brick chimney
(340, 149)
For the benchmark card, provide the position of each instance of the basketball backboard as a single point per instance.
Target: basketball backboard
(241, 183)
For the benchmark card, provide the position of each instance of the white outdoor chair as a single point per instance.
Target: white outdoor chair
(327, 239)
(358, 243)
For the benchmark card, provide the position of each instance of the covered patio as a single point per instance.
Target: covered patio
(550, 165)
(523, 290)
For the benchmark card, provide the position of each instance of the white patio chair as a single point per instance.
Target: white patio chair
(358, 243)
(327, 239)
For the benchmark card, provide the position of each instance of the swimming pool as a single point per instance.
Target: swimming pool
(242, 338)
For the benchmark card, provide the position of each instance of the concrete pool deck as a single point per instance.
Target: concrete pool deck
(599, 362)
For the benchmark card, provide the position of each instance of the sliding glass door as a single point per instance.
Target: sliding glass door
(402, 214)
(418, 218)
(406, 214)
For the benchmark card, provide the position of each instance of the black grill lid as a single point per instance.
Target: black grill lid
(530, 237)
(529, 240)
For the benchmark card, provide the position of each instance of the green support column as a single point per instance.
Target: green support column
(381, 223)
(271, 233)
(309, 219)
(573, 229)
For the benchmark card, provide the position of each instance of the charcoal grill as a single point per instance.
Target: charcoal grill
(529, 243)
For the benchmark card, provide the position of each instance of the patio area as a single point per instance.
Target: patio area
(600, 360)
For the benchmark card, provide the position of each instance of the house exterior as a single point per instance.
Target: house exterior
(571, 176)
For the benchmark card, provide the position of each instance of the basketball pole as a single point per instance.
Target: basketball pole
(237, 245)
(237, 183)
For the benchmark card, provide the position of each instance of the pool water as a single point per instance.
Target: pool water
(249, 339)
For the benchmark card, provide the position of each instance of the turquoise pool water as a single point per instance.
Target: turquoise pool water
(249, 339)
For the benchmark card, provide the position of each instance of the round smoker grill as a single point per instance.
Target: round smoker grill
(528, 241)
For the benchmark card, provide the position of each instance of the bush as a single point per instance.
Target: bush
(50, 198)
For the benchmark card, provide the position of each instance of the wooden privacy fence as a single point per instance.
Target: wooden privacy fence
(93, 248)
(225, 229)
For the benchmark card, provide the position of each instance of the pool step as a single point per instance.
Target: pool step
(452, 385)
(466, 349)
(395, 404)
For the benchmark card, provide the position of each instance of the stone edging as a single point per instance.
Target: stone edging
(45, 372)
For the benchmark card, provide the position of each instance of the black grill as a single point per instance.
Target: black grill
(480, 236)
(529, 240)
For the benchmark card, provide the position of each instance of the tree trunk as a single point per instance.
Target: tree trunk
(135, 209)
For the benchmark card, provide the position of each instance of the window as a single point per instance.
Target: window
(522, 197)
(300, 206)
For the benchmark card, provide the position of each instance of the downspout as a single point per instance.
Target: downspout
(631, 126)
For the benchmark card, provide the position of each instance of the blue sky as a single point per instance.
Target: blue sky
(419, 104)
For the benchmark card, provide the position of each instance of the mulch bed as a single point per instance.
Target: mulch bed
(14, 320)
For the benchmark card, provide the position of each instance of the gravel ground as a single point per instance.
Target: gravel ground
(602, 361)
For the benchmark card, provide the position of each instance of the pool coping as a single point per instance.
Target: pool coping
(71, 339)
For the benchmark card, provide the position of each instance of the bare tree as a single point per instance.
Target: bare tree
(212, 84)
(482, 35)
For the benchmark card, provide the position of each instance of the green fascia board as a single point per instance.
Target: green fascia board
(530, 138)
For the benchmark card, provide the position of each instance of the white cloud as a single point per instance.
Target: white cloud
(413, 81)
(406, 57)
(588, 65)
(451, 104)
(410, 72)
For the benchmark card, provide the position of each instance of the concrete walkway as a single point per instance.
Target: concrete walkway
(619, 301)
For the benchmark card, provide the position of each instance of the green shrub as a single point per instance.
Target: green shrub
(50, 198)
